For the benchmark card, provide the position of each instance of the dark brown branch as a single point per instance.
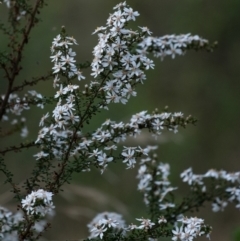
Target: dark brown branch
(15, 61)
(18, 148)
(31, 83)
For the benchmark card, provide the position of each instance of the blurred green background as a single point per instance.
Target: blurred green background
(203, 84)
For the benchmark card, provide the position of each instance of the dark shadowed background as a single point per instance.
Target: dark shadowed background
(203, 84)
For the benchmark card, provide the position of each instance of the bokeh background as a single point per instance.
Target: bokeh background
(203, 84)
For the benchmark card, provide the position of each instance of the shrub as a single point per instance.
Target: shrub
(121, 58)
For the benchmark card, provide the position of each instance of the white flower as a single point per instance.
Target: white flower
(56, 40)
(134, 70)
(58, 67)
(60, 92)
(148, 63)
(56, 57)
(95, 153)
(112, 97)
(157, 124)
(112, 147)
(118, 45)
(103, 136)
(65, 43)
(98, 231)
(218, 205)
(162, 220)
(145, 223)
(128, 91)
(118, 19)
(72, 39)
(103, 159)
(173, 51)
(177, 233)
(132, 227)
(131, 15)
(79, 75)
(70, 88)
(28, 205)
(96, 71)
(235, 193)
(40, 155)
(46, 196)
(56, 81)
(166, 205)
(85, 143)
(212, 173)
(110, 223)
(24, 132)
(67, 60)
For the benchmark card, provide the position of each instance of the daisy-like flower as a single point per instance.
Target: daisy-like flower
(56, 57)
(145, 223)
(98, 231)
(173, 51)
(129, 158)
(103, 159)
(177, 233)
(131, 15)
(218, 205)
(58, 67)
(96, 71)
(129, 91)
(67, 60)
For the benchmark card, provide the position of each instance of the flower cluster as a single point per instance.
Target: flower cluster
(64, 115)
(16, 106)
(104, 221)
(114, 61)
(63, 59)
(224, 180)
(110, 133)
(8, 224)
(120, 69)
(56, 132)
(107, 222)
(38, 203)
(171, 45)
(154, 179)
(187, 229)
